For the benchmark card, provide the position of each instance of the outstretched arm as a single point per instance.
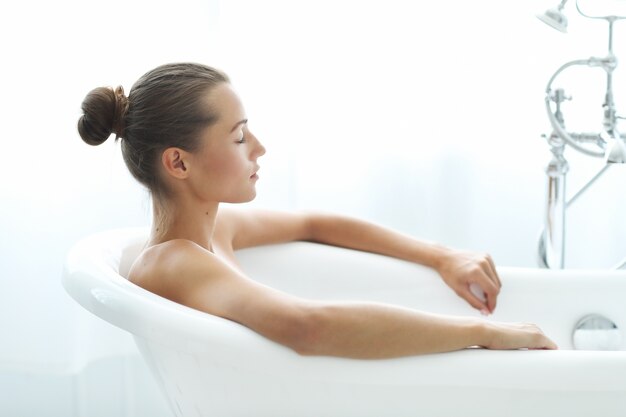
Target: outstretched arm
(198, 279)
(459, 269)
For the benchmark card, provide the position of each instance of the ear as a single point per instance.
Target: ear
(175, 162)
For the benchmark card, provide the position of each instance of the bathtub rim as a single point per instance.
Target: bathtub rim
(91, 278)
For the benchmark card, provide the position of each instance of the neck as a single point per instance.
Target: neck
(179, 220)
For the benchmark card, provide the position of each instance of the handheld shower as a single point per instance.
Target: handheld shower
(615, 151)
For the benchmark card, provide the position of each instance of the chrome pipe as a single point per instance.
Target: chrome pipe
(554, 232)
(608, 143)
(548, 258)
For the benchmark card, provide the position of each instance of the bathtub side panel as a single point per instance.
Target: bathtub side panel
(206, 386)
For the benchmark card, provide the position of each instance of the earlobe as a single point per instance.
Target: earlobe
(173, 160)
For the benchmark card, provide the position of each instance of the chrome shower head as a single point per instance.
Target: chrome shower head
(555, 18)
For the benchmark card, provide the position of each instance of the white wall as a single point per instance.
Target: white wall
(425, 117)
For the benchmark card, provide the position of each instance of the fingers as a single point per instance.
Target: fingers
(491, 292)
(518, 336)
(542, 342)
(468, 294)
(548, 345)
(483, 292)
(492, 271)
(491, 284)
(465, 269)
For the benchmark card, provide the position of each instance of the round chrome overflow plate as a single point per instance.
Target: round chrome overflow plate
(596, 332)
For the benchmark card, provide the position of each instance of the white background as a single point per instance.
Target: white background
(422, 116)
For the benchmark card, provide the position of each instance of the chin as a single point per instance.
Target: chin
(241, 199)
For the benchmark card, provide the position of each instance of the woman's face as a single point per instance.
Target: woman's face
(225, 166)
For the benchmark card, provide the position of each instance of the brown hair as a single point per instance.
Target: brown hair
(165, 108)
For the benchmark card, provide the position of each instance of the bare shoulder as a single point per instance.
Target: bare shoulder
(188, 274)
(253, 227)
(170, 268)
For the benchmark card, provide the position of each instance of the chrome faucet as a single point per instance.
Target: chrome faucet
(608, 143)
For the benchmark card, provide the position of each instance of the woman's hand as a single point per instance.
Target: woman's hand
(515, 336)
(473, 277)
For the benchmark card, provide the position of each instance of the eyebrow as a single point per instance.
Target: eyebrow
(239, 123)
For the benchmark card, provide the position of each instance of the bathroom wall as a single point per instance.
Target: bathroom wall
(425, 117)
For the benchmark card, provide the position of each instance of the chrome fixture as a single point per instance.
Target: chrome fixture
(596, 332)
(555, 17)
(608, 143)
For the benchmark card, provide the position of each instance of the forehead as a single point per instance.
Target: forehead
(226, 103)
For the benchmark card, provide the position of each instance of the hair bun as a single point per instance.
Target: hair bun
(121, 108)
(104, 113)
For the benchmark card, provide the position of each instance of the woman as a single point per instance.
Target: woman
(185, 137)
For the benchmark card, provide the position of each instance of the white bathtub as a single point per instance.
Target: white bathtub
(208, 366)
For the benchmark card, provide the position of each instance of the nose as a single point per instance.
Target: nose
(259, 149)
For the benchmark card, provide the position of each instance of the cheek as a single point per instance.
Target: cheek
(225, 168)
